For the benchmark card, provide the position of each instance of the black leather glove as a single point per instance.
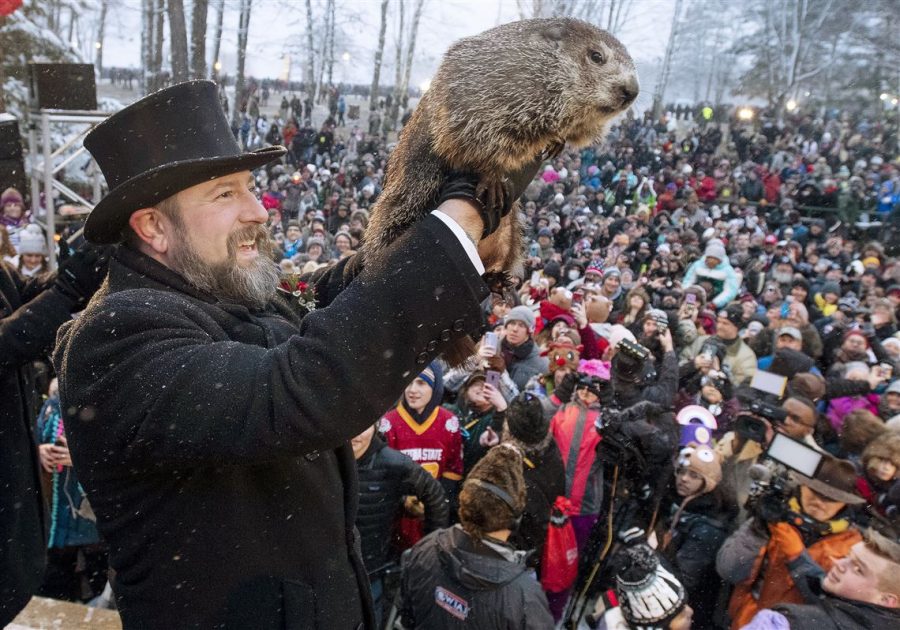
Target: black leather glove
(81, 273)
(493, 199)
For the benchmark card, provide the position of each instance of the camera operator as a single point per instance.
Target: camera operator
(763, 557)
(739, 358)
(861, 590)
(634, 376)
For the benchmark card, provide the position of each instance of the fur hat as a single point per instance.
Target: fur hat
(11, 195)
(887, 446)
(493, 494)
(649, 594)
(525, 419)
(704, 461)
(32, 241)
(860, 427)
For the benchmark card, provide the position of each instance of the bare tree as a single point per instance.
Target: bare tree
(398, 71)
(410, 50)
(178, 40)
(243, 31)
(663, 79)
(310, 55)
(198, 39)
(379, 54)
(330, 31)
(217, 40)
(101, 32)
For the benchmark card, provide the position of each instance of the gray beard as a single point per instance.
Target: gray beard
(251, 286)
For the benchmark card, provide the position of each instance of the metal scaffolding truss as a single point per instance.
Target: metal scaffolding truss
(44, 163)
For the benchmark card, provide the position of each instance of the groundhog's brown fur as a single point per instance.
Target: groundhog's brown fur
(497, 101)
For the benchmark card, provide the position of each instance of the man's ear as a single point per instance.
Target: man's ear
(889, 600)
(151, 229)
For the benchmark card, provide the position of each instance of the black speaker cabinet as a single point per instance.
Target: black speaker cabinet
(62, 86)
(10, 140)
(12, 173)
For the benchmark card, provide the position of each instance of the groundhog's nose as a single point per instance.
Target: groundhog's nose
(629, 90)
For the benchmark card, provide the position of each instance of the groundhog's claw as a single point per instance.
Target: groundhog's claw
(555, 149)
(493, 193)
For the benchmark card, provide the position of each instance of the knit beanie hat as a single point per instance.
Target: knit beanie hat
(493, 494)
(650, 596)
(11, 195)
(715, 249)
(733, 313)
(704, 461)
(521, 314)
(31, 241)
(525, 419)
(831, 287)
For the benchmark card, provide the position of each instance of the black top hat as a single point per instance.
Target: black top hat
(162, 144)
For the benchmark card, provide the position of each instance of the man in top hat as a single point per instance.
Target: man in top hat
(211, 425)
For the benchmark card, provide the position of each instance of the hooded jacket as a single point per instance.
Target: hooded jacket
(452, 581)
(723, 278)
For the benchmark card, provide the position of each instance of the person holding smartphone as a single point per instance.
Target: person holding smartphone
(481, 409)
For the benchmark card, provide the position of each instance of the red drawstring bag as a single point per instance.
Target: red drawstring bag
(559, 564)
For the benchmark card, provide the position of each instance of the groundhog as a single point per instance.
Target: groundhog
(498, 100)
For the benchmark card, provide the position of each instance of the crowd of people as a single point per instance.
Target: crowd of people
(678, 309)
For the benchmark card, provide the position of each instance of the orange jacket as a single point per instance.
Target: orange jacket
(777, 586)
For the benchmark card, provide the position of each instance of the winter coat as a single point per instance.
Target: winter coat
(739, 358)
(545, 479)
(385, 477)
(838, 408)
(723, 278)
(452, 581)
(30, 314)
(761, 572)
(573, 431)
(696, 535)
(837, 613)
(523, 362)
(212, 440)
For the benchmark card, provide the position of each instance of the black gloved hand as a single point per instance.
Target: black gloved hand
(565, 388)
(493, 198)
(80, 274)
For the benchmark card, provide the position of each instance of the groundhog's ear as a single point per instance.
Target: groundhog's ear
(554, 33)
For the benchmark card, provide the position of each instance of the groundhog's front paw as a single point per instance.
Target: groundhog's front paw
(494, 194)
(555, 149)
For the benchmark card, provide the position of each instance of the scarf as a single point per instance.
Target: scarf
(511, 354)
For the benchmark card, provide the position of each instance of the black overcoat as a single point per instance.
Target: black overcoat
(30, 314)
(213, 441)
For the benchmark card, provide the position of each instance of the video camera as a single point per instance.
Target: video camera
(630, 362)
(770, 388)
(771, 487)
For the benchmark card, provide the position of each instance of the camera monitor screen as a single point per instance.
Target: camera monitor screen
(769, 382)
(795, 455)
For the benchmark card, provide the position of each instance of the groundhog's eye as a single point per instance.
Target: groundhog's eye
(597, 57)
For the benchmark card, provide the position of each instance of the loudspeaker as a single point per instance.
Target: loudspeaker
(62, 86)
(10, 140)
(12, 173)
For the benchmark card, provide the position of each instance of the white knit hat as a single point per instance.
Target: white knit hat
(31, 241)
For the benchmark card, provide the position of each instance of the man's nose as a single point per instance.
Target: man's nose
(254, 211)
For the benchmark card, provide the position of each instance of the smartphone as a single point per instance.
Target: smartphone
(690, 298)
(887, 371)
(785, 310)
(492, 378)
(535, 278)
(490, 339)
(578, 297)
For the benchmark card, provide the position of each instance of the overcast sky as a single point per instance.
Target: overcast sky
(277, 28)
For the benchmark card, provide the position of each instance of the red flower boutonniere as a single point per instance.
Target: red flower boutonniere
(296, 289)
